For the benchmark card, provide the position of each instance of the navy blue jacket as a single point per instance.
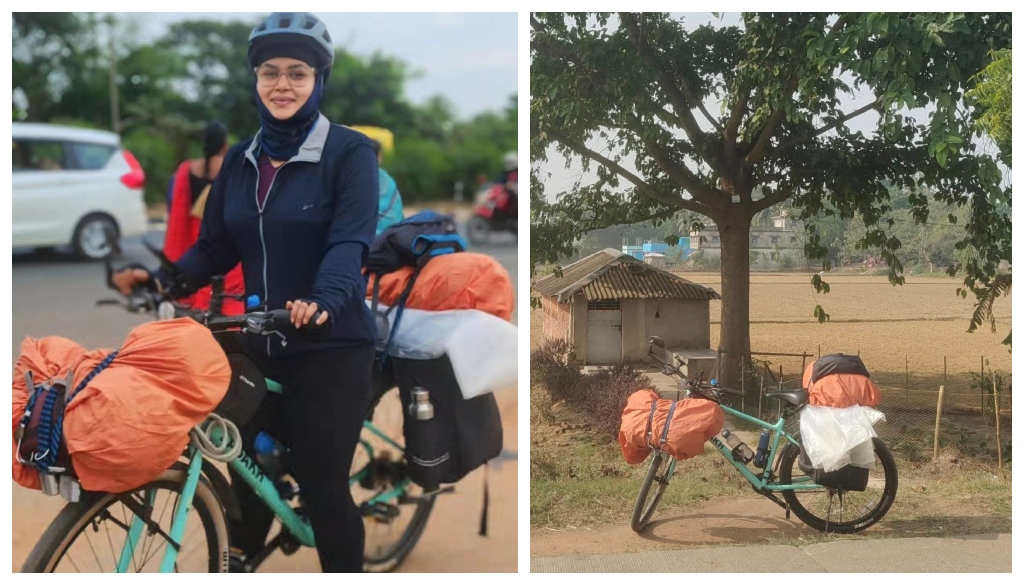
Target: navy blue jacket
(309, 240)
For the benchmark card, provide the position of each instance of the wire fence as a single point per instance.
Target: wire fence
(932, 414)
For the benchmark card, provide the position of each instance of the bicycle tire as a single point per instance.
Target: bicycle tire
(394, 556)
(396, 548)
(642, 510)
(877, 511)
(73, 519)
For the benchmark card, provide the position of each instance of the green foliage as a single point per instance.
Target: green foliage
(197, 71)
(634, 98)
(994, 96)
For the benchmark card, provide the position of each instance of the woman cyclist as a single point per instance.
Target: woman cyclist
(297, 206)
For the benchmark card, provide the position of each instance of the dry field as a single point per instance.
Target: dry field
(897, 330)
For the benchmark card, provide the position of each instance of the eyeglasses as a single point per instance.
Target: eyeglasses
(298, 76)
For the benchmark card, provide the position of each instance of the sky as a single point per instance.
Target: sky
(470, 58)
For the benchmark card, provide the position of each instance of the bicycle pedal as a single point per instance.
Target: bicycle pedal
(381, 512)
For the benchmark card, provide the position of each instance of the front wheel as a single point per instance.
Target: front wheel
(838, 510)
(90, 536)
(651, 491)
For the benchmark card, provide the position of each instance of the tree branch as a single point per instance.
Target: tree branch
(640, 183)
(703, 110)
(678, 173)
(732, 127)
(536, 24)
(643, 186)
(835, 123)
(774, 121)
(777, 197)
(675, 95)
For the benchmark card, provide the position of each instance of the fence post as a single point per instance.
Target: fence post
(995, 403)
(938, 418)
(760, 397)
(982, 385)
(743, 389)
(780, 390)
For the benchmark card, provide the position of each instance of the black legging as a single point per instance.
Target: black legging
(319, 417)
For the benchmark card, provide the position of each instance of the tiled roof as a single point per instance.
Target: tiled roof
(610, 274)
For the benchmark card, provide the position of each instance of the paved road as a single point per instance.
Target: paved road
(987, 553)
(54, 295)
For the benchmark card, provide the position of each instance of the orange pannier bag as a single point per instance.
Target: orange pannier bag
(131, 422)
(452, 281)
(841, 390)
(694, 420)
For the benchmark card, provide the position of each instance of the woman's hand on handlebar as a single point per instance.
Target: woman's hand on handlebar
(126, 281)
(304, 311)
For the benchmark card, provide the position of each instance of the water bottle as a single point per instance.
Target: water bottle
(740, 451)
(271, 455)
(420, 407)
(252, 302)
(761, 457)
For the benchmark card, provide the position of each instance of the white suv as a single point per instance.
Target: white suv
(74, 186)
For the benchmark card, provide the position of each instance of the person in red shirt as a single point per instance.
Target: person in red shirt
(191, 184)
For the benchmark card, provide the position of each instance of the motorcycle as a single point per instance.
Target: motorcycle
(496, 211)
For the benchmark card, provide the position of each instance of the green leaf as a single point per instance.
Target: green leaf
(820, 314)
(940, 155)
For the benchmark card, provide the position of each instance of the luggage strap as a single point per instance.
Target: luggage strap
(50, 424)
(650, 424)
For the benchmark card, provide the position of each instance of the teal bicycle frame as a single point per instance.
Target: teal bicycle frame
(759, 483)
(253, 474)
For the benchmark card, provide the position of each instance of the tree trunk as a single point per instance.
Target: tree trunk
(734, 234)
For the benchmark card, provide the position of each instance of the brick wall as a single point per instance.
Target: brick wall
(556, 319)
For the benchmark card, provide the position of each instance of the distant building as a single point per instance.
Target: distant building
(784, 238)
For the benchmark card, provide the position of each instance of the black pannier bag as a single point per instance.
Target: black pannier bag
(460, 436)
(848, 477)
(248, 385)
(838, 363)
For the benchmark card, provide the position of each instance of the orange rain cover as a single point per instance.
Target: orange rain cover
(694, 421)
(132, 421)
(841, 390)
(453, 281)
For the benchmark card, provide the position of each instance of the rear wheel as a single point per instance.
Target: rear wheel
(837, 510)
(651, 490)
(90, 536)
(395, 520)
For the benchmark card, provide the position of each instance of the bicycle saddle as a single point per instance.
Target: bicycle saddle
(794, 397)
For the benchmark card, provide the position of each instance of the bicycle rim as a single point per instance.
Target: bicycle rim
(90, 536)
(837, 510)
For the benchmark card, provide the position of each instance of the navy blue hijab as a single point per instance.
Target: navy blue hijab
(281, 139)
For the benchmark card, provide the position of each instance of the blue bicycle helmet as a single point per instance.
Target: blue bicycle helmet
(299, 35)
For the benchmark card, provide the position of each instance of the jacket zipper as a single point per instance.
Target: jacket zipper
(263, 243)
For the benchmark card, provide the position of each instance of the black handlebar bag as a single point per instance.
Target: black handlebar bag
(248, 385)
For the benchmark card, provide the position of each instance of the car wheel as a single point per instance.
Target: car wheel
(92, 237)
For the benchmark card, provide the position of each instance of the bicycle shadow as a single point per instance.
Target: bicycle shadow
(703, 528)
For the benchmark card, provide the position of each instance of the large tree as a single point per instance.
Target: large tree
(726, 121)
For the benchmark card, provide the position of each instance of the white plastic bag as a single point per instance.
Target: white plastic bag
(836, 437)
(482, 348)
